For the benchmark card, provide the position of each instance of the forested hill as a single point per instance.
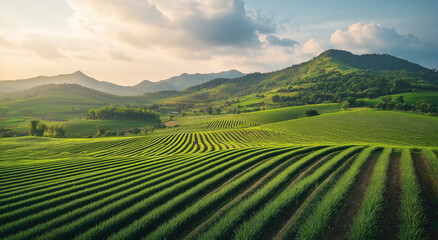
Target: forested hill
(331, 76)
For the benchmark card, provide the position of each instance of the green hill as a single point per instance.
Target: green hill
(360, 127)
(330, 77)
(63, 102)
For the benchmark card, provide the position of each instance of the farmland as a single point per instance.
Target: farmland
(324, 177)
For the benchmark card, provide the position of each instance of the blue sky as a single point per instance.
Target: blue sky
(127, 41)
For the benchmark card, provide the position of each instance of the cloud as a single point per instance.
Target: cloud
(371, 38)
(4, 42)
(228, 28)
(118, 55)
(188, 29)
(44, 46)
(283, 42)
(312, 47)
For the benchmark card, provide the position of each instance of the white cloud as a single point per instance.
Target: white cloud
(371, 38)
(312, 47)
(189, 28)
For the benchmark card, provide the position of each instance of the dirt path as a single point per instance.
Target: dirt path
(429, 188)
(341, 223)
(390, 222)
(253, 187)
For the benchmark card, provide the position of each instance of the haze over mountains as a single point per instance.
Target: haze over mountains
(330, 77)
(174, 83)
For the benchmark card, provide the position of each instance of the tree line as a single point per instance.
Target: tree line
(387, 103)
(123, 113)
(39, 129)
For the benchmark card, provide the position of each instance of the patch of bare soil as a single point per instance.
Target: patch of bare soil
(429, 188)
(171, 123)
(390, 221)
(341, 223)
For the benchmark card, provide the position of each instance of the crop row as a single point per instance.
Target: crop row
(236, 193)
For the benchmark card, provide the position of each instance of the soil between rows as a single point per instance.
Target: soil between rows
(429, 185)
(390, 222)
(341, 223)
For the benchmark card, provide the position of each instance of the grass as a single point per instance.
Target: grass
(361, 127)
(410, 98)
(432, 159)
(78, 128)
(365, 224)
(411, 210)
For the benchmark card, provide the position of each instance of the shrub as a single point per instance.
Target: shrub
(311, 112)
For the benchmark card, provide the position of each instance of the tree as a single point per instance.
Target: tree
(101, 130)
(55, 130)
(36, 128)
(32, 127)
(276, 98)
(218, 110)
(422, 106)
(345, 104)
(123, 113)
(385, 103)
(210, 110)
(6, 132)
(351, 101)
(311, 112)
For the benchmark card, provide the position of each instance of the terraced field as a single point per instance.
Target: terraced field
(249, 183)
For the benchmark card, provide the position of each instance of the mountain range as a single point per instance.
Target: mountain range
(330, 77)
(174, 83)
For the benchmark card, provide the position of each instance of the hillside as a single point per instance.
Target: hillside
(175, 83)
(360, 127)
(330, 77)
(73, 92)
(60, 102)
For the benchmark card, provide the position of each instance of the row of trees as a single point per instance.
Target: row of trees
(123, 113)
(39, 129)
(6, 132)
(105, 130)
(387, 103)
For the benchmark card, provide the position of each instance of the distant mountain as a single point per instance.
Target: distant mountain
(185, 80)
(73, 92)
(330, 77)
(174, 83)
(69, 101)
(74, 78)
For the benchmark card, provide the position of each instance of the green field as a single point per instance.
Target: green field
(410, 98)
(245, 120)
(274, 174)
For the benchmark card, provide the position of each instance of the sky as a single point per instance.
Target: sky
(127, 41)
